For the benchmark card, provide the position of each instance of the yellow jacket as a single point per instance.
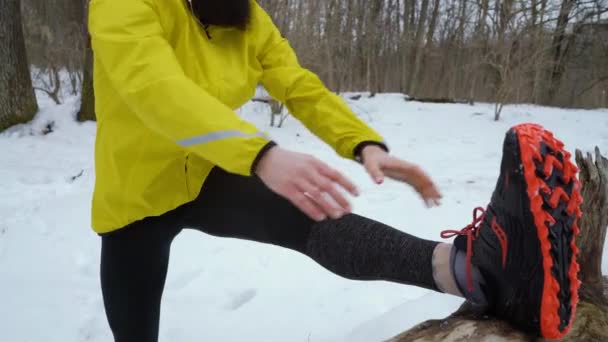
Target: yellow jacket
(165, 100)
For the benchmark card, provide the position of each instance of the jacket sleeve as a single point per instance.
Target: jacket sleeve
(322, 112)
(129, 45)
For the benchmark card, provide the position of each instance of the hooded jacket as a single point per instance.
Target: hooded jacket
(165, 99)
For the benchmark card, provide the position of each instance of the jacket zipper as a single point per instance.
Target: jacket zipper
(204, 25)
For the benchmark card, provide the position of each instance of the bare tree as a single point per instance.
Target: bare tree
(479, 50)
(55, 43)
(87, 94)
(418, 47)
(17, 100)
(560, 47)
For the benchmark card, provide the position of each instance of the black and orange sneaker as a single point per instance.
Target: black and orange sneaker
(523, 244)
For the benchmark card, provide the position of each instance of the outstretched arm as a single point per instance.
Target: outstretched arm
(324, 113)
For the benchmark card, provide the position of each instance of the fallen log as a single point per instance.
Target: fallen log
(438, 100)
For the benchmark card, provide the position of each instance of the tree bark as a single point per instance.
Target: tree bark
(418, 64)
(17, 98)
(591, 321)
(559, 46)
(595, 195)
(87, 95)
(87, 103)
(418, 47)
(541, 60)
(408, 15)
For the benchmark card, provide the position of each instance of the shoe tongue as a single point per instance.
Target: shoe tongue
(458, 261)
(460, 242)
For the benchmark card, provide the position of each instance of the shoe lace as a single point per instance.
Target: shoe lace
(472, 232)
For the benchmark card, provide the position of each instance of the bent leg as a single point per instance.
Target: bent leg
(134, 264)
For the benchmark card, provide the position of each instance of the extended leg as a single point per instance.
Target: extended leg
(354, 247)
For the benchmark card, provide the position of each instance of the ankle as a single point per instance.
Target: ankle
(442, 270)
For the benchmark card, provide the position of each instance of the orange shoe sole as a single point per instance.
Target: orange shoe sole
(555, 200)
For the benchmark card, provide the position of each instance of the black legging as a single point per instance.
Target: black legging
(134, 259)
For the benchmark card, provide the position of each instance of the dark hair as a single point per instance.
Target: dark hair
(225, 13)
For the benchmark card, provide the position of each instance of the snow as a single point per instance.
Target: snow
(231, 290)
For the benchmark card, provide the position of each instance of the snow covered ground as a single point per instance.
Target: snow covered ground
(229, 290)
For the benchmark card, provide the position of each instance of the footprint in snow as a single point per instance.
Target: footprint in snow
(241, 299)
(3, 238)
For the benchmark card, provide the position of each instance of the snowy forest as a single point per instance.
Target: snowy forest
(549, 52)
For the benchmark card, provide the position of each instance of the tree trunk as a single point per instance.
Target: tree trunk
(418, 47)
(541, 62)
(591, 321)
(418, 66)
(87, 95)
(595, 195)
(87, 103)
(559, 46)
(17, 98)
(408, 15)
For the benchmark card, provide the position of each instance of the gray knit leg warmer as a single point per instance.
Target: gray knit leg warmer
(358, 248)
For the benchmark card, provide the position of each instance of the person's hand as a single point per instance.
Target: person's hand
(379, 164)
(311, 185)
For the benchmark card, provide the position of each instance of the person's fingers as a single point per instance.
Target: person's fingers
(400, 175)
(374, 170)
(331, 192)
(398, 170)
(338, 178)
(403, 166)
(410, 173)
(431, 195)
(337, 196)
(430, 203)
(435, 193)
(417, 178)
(306, 205)
(318, 191)
(434, 199)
